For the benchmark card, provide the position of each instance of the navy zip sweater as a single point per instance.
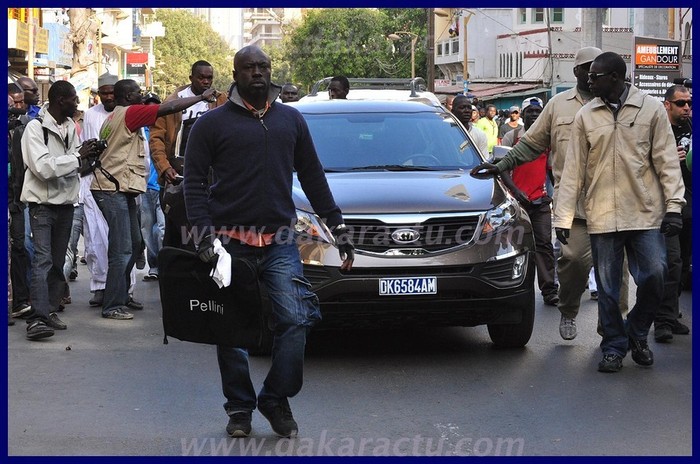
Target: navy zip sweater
(252, 161)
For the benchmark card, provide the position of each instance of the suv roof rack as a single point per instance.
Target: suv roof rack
(416, 84)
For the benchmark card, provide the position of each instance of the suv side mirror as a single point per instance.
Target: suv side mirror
(499, 151)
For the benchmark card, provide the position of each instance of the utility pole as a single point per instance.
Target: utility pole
(592, 30)
(430, 48)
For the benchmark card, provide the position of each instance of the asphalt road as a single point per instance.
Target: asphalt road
(112, 388)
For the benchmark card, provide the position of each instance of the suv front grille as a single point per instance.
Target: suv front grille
(434, 234)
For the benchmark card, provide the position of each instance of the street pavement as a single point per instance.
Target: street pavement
(112, 388)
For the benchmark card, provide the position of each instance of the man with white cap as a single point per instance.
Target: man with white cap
(553, 130)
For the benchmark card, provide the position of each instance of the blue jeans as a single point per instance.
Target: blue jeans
(646, 254)
(50, 225)
(295, 309)
(121, 213)
(152, 227)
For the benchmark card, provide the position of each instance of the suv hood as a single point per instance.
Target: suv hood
(407, 192)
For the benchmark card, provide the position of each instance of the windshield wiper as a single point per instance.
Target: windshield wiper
(394, 167)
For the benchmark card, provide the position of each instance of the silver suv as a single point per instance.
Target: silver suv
(434, 246)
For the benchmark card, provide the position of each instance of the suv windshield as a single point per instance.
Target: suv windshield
(391, 141)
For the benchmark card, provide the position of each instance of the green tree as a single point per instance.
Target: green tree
(189, 39)
(354, 42)
(332, 41)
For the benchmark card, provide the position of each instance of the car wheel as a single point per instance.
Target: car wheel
(515, 335)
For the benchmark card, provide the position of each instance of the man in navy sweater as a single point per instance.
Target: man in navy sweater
(252, 145)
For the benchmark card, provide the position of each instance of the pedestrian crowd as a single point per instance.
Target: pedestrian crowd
(133, 174)
(115, 174)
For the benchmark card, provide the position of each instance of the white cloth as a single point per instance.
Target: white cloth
(222, 272)
(95, 229)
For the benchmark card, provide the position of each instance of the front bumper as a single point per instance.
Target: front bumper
(470, 295)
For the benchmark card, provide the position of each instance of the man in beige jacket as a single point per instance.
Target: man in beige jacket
(552, 130)
(622, 160)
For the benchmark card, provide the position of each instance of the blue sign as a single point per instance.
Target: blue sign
(60, 47)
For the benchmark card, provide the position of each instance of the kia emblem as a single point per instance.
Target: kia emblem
(405, 236)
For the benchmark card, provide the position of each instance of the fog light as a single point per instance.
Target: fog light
(518, 266)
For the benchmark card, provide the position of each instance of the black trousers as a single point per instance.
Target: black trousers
(541, 218)
(19, 257)
(667, 313)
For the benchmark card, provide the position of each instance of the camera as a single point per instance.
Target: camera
(685, 142)
(688, 83)
(100, 145)
(13, 117)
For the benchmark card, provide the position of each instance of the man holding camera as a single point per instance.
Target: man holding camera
(120, 176)
(678, 103)
(51, 152)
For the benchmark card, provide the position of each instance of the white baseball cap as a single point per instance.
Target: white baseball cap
(532, 101)
(586, 55)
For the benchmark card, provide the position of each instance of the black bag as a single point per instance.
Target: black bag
(196, 310)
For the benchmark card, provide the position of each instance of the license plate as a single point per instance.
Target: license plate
(408, 286)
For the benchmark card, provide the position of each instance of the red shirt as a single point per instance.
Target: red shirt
(138, 116)
(531, 177)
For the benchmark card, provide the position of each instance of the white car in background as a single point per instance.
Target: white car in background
(378, 89)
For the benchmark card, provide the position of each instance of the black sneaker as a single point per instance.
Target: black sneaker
(133, 304)
(239, 424)
(73, 275)
(38, 330)
(55, 323)
(641, 354)
(663, 334)
(280, 416)
(678, 328)
(119, 314)
(611, 363)
(98, 298)
(21, 310)
(551, 300)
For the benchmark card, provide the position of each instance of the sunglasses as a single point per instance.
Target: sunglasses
(594, 75)
(682, 103)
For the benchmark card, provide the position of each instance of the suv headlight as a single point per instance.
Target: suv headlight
(310, 226)
(501, 216)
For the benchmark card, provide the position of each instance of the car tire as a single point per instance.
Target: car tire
(515, 335)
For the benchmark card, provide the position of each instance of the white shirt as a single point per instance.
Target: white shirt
(92, 122)
(195, 110)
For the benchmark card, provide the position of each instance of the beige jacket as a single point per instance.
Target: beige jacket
(51, 177)
(552, 129)
(124, 158)
(625, 167)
